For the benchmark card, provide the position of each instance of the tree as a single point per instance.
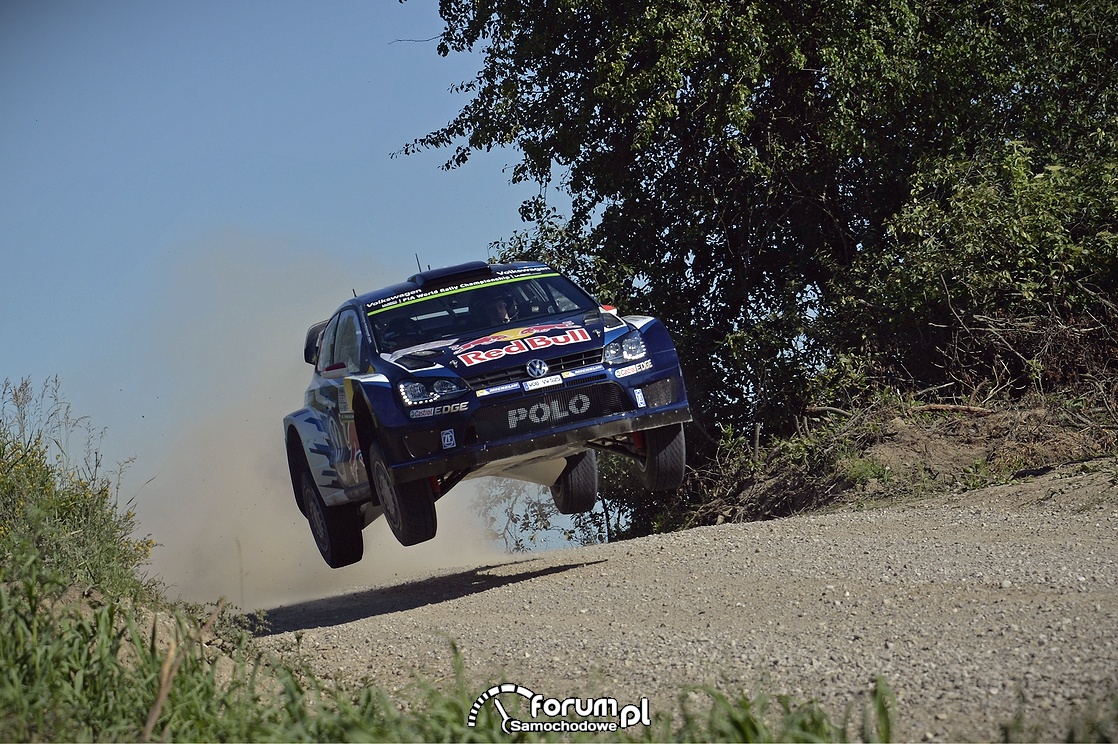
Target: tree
(761, 175)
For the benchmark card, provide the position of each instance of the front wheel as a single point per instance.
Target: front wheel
(576, 491)
(336, 529)
(664, 458)
(409, 508)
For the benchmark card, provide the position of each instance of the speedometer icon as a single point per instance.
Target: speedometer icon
(491, 694)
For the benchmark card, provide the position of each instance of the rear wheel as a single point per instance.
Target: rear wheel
(576, 491)
(665, 457)
(409, 508)
(296, 464)
(336, 529)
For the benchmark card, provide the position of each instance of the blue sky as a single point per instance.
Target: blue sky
(184, 188)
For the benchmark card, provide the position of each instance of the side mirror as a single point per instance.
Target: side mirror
(310, 345)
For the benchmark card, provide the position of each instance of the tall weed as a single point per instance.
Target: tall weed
(65, 512)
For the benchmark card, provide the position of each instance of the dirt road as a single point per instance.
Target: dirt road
(970, 606)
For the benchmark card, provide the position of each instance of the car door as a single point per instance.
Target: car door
(341, 354)
(350, 352)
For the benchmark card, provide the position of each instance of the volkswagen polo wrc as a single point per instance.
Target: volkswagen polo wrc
(474, 370)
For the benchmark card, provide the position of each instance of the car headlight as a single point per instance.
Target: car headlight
(418, 392)
(628, 348)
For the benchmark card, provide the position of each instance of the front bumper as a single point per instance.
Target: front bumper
(471, 457)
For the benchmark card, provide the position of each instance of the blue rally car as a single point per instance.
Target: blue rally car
(474, 370)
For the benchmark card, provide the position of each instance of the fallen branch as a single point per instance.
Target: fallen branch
(951, 408)
(933, 388)
(822, 410)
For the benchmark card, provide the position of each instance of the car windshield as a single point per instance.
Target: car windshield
(456, 312)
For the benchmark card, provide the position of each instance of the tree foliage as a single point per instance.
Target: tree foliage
(753, 172)
(998, 266)
(820, 197)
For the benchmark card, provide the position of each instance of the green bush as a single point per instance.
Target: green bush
(1002, 266)
(67, 515)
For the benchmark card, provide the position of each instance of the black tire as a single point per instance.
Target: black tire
(576, 491)
(409, 508)
(336, 529)
(296, 465)
(665, 458)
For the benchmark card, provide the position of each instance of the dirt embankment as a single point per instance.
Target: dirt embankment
(973, 607)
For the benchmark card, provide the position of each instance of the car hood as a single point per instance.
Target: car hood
(516, 345)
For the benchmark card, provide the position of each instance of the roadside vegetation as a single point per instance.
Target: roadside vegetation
(90, 649)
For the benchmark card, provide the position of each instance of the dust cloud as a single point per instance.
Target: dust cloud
(231, 324)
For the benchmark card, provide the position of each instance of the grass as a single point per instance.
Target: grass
(77, 673)
(65, 512)
(90, 650)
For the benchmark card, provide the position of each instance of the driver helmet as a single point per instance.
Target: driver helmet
(496, 308)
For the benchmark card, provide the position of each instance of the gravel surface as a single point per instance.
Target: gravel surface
(973, 607)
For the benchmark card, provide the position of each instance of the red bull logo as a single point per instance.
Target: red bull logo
(511, 335)
(522, 345)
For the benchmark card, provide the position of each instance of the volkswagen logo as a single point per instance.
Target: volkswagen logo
(536, 368)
